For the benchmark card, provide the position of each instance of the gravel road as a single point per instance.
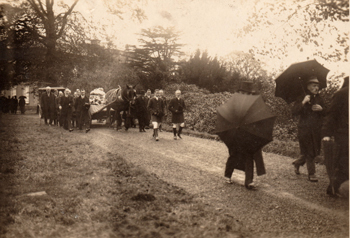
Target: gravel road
(285, 204)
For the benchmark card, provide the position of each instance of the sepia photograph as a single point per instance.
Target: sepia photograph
(174, 118)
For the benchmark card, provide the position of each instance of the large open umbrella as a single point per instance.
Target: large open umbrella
(290, 84)
(245, 122)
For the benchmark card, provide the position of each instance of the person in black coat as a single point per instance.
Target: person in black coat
(66, 107)
(161, 95)
(22, 103)
(82, 105)
(336, 124)
(48, 105)
(310, 109)
(239, 158)
(148, 97)
(15, 104)
(141, 111)
(3, 103)
(156, 108)
(177, 107)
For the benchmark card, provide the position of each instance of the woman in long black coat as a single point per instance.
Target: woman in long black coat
(22, 104)
(310, 109)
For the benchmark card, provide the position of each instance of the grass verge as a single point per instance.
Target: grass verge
(58, 184)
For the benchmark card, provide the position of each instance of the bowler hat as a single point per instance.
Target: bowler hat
(313, 79)
(247, 86)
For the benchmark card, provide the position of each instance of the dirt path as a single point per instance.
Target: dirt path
(284, 205)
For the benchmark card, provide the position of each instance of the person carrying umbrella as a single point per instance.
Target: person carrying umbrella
(245, 125)
(22, 103)
(300, 83)
(310, 109)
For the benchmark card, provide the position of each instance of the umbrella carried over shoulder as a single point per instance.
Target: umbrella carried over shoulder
(290, 83)
(245, 122)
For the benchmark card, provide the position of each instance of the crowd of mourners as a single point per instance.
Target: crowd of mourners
(11, 104)
(71, 110)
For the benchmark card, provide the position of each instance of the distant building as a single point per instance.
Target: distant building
(22, 90)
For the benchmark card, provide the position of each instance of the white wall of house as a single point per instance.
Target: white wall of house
(22, 90)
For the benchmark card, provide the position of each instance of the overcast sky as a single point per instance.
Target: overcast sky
(210, 25)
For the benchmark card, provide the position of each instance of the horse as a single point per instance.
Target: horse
(121, 100)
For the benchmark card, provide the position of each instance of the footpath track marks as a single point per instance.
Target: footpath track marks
(150, 147)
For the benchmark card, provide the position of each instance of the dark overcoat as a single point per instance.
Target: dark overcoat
(141, 106)
(177, 107)
(82, 104)
(22, 102)
(67, 105)
(336, 122)
(146, 98)
(48, 105)
(309, 125)
(156, 108)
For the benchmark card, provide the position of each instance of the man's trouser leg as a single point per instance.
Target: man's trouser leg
(249, 170)
(310, 164)
(86, 119)
(69, 120)
(229, 167)
(301, 161)
(80, 120)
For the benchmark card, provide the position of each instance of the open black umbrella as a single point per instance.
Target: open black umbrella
(22, 97)
(290, 84)
(245, 122)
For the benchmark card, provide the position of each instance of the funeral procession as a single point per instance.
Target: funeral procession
(174, 118)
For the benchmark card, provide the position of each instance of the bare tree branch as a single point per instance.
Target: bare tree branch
(36, 9)
(64, 20)
(42, 8)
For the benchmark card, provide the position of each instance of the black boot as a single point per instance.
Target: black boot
(179, 134)
(160, 128)
(174, 130)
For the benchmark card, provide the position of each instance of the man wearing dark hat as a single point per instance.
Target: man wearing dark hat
(141, 110)
(239, 158)
(310, 109)
(337, 124)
